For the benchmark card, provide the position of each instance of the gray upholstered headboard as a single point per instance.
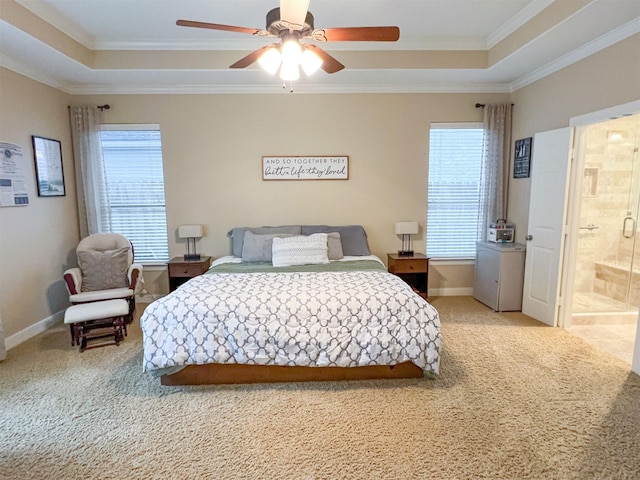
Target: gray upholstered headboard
(353, 237)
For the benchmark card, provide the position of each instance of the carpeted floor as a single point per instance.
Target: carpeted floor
(514, 400)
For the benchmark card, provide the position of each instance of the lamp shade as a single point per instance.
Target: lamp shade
(406, 228)
(190, 231)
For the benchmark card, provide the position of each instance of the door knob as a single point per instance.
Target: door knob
(528, 238)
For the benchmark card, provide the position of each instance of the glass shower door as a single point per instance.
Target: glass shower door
(607, 276)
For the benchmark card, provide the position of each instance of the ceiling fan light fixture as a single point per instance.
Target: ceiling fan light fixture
(270, 60)
(291, 51)
(289, 71)
(310, 62)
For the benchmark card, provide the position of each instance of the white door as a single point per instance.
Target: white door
(550, 165)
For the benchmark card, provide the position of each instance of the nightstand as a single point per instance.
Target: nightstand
(412, 269)
(181, 270)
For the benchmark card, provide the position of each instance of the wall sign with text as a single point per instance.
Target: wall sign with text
(305, 168)
(522, 158)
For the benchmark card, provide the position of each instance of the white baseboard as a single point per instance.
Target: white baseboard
(33, 330)
(451, 292)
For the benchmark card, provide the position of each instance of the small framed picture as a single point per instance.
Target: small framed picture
(47, 154)
(522, 158)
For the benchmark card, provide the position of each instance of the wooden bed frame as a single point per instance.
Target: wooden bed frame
(216, 373)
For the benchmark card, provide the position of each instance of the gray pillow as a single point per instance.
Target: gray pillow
(334, 244)
(257, 248)
(237, 235)
(102, 270)
(353, 237)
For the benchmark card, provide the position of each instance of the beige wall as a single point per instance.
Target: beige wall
(36, 241)
(610, 77)
(213, 144)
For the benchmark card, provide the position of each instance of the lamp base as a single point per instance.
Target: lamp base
(405, 253)
(192, 256)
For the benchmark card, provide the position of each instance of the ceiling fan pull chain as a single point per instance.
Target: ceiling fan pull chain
(284, 86)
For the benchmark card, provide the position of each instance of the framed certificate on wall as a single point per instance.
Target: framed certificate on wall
(47, 154)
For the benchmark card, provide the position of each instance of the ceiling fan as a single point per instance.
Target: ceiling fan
(291, 23)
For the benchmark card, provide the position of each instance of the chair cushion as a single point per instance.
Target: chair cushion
(96, 311)
(84, 297)
(102, 270)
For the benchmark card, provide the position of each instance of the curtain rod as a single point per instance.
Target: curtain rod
(106, 106)
(482, 105)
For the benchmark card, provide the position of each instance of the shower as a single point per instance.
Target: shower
(606, 285)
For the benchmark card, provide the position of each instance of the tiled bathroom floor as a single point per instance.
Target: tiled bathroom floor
(618, 340)
(605, 326)
(592, 302)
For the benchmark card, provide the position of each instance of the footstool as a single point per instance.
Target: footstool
(88, 321)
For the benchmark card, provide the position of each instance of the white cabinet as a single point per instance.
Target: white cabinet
(499, 275)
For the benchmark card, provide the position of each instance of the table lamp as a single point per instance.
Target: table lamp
(191, 233)
(406, 229)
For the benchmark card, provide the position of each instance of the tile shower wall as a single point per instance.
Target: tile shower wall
(607, 181)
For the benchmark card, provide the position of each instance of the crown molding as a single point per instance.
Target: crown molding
(268, 88)
(517, 21)
(253, 43)
(273, 89)
(610, 38)
(54, 18)
(22, 69)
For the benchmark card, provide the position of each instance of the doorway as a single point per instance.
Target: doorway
(606, 249)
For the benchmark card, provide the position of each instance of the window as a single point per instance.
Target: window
(453, 198)
(135, 189)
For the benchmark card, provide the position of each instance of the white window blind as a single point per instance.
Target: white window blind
(135, 188)
(453, 202)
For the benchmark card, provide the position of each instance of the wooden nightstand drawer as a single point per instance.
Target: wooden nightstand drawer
(412, 269)
(409, 266)
(182, 270)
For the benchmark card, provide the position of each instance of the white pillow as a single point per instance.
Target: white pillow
(300, 250)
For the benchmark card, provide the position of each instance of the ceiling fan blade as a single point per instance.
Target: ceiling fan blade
(357, 34)
(251, 58)
(217, 26)
(294, 12)
(329, 64)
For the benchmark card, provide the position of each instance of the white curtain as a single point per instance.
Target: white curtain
(494, 176)
(93, 203)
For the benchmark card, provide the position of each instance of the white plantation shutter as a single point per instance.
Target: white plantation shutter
(135, 188)
(453, 201)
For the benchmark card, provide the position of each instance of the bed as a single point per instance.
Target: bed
(328, 315)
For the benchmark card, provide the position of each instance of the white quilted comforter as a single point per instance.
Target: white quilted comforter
(345, 319)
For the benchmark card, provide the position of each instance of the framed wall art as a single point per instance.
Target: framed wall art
(305, 168)
(522, 158)
(47, 154)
